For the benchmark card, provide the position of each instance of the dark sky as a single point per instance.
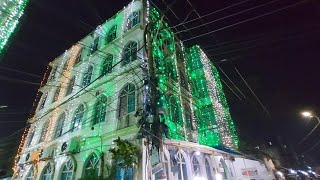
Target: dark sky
(276, 54)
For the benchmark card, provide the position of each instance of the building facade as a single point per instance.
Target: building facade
(99, 90)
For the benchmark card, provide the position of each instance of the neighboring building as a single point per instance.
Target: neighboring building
(99, 90)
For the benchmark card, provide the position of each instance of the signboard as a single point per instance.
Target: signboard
(249, 172)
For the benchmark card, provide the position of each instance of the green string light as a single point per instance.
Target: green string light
(11, 11)
(210, 109)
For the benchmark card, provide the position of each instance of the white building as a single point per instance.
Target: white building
(93, 94)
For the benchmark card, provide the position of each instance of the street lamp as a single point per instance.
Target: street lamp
(309, 115)
(306, 114)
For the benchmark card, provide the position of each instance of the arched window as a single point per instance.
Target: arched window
(94, 46)
(77, 118)
(30, 175)
(112, 34)
(188, 116)
(30, 137)
(92, 166)
(47, 172)
(78, 58)
(183, 81)
(87, 76)
(133, 19)
(208, 169)
(66, 65)
(100, 110)
(182, 172)
(130, 53)
(70, 86)
(43, 101)
(67, 170)
(53, 73)
(107, 64)
(59, 125)
(127, 100)
(195, 166)
(174, 110)
(56, 94)
(44, 131)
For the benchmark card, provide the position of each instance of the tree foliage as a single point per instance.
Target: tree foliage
(125, 154)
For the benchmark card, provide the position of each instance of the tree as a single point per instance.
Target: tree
(124, 156)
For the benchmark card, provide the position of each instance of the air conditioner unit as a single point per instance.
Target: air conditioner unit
(69, 147)
(46, 153)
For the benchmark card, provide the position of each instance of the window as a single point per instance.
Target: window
(53, 73)
(77, 118)
(87, 76)
(174, 110)
(43, 101)
(183, 81)
(188, 116)
(30, 175)
(31, 135)
(130, 53)
(47, 172)
(124, 173)
(44, 132)
(133, 19)
(112, 34)
(92, 166)
(195, 166)
(66, 65)
(100, 110)
(107, 64)
(59, 125)
(94, 46)
(67, 171)
(70, 86)
(56, 94)
(208, 169)
(127, 100)
(78, 58)
(182, 172)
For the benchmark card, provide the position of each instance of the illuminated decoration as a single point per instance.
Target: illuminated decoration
(215, 125)
(17, 157)
(11, 11)
(210, 112)
(163, 50)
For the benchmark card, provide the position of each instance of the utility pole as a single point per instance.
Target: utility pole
(154, 139)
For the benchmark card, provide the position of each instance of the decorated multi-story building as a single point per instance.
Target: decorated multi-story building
(130, 101)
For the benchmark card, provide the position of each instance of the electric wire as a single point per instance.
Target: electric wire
(247, 20)
(256, 97)
(19, 71)
(72, 97)
(228, 16)
(262, 44)
(211, 13)
(231, 81)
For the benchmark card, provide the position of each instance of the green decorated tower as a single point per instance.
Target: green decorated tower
(190, 91)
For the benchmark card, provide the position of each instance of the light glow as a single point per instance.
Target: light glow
(9, 20)
(218, 176)
(306, 114)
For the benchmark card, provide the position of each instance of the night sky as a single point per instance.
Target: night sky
(277, 55)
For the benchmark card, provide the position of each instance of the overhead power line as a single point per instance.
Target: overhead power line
(210, 13)
(247, 20)
(225, 17)
(18, 71)
(231, 81)
(254, 94)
